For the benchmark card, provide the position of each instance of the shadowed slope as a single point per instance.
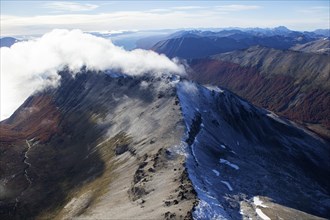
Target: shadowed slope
(289, 83)
(239, 153)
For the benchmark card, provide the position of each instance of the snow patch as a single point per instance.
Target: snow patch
(208, 182)
(233, 152)
(216, 172)
(144, 84)
(215, 88)
(192, 100)
(228, 185)
(180, 149)
(258, 202)
(229, 164)
(262, 215)
(276, 118)
(114, 98)
(193, 151)
(223, 146)
(205, 211)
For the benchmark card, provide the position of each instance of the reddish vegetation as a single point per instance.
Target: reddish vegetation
(37, 118)
(277, 93)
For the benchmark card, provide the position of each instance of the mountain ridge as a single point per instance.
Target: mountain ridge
(292, 84)
(148, 146)
(321, 46)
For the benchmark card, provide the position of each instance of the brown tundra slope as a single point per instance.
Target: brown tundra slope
(293, 84)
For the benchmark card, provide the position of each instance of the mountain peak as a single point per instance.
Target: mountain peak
(282, 28)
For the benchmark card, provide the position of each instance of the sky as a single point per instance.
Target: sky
(38, 17)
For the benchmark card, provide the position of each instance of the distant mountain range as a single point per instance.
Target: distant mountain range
(198, 44)
(279, 69)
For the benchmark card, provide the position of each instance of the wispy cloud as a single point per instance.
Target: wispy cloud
(314, 10)
(158, 18)
(229, 8)
(192, 7)
(224, 8)
(160, 10)
(176, 9)
(70, 6)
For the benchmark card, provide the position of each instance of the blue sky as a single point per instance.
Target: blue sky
(37, 17)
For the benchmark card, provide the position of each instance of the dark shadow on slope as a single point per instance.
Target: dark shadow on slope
(262, 156)
(57, 167)
(295, 95)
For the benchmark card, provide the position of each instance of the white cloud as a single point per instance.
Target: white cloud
(192, 7)
(70, 6)
(231, 8)
(315, 10)
(160, 10)
(213, 17)
(189, 87)
(33, 65)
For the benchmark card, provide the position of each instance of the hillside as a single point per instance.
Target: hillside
(106, 145)
(321, 46)
(191, 47)
(292, 84)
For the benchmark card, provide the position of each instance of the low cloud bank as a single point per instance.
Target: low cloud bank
(30, 66)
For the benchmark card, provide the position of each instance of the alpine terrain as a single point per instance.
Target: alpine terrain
(285, 71)
(164, 110)
(106, 145)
